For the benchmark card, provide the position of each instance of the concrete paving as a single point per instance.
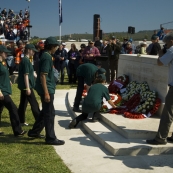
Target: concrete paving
(82, 154)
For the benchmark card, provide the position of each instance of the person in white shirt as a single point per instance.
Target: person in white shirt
(166, 58)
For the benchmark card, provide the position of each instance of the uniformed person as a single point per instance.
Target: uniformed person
(86, 73)
(45, 87)
(26, 84)
(93, 101)
(5, 92)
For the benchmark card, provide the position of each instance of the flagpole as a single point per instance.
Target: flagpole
(60, 33)
(60, 18)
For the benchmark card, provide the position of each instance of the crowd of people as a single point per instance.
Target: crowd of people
(13, 26)
(36, 65)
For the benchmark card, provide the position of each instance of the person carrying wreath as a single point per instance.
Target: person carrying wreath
(93, 101)
(26, 84)
(5, 92)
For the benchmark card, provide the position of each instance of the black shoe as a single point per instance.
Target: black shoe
(76, 109)
(154, 142)
(72, 124)
(55, 142)
(1, 133)
(95, 117)
(170, 139)
(34, 135)
(20, 134)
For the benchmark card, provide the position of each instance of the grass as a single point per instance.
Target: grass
(23, 154)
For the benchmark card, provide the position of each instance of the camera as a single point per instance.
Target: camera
(164, 48)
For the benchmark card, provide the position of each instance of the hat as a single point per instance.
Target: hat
(31, 47)
(90, 42)
(82, 45)
(113, 38)
(154, 37)
(51, 41)
(64, 44)
(101, 71)
(101, 76)
(4, 49)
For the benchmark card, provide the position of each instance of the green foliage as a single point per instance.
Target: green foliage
(23, 154)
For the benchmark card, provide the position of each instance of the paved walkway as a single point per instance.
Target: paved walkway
(82, 154)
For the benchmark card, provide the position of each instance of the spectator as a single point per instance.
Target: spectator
(60, 61)
(167, 113)
(4, 12)
(155, 33)
(98, 43)
(143, 48)
(81, 58)
(155, 46)
(113, 53)
(10, 58)
(132, 45)
(37, 55)
(19, 53)
(128, 49)
(90, 53)
(104, 48)
(73, 56)
(11, 35)
(161, 33)
(66, 61)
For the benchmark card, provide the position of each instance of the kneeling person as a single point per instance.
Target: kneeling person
(93, 101)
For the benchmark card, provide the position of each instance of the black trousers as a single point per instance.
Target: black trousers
(72, 73)
(1, 109)
(14, 117)
(24, 99)
(46, 119)
(80, 88)
(84, 116)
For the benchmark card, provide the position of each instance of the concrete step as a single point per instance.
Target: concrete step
(110, 135)
(133, 128)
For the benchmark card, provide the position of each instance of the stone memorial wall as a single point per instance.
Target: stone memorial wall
(144, 68)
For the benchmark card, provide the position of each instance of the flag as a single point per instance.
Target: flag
(60, 12)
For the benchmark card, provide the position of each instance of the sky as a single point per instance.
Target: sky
(116, 15)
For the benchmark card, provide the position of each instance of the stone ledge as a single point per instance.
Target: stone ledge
(113, 141)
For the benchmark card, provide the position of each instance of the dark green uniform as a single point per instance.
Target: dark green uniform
(25, 67)
(87, 71)
(46, 66)
(93, 100)
(5, 85)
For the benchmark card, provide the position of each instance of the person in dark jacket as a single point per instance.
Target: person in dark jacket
(155, 46)
(73, 56)
(113, 53)
(11, 35)
(59, 63)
